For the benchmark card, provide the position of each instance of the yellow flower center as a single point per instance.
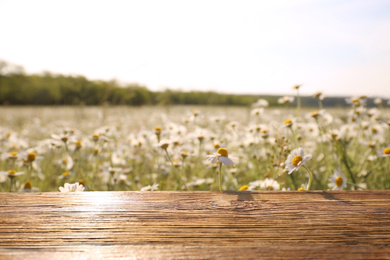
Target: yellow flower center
(296, 160)
(65, 174)
(264, 131)
(157, 130)
(216, 145)
(95, 137)
(301, 189)
(28, 186)
(78, 144)
(184, 154)
(121, 181)
(288, 121)
(315, 113)
(339, 181)
(386, 150)
(31, 157)
(81, 182)
(13, 155)
(175, 163)
(11, 172)
(223, 152)
(164, 146)
(244, 187)
(195, 113)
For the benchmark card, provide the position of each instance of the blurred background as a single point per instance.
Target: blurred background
(192, 52)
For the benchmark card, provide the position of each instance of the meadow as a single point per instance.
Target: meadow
(256, 147)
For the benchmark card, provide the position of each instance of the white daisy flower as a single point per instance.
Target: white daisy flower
(337, 181)
(261, 103)
(288, 123)
(269, 184)
(220, 156)
(254, 184)
(150, 187)
(27, 187)
(319, 95)
(163, 169)
(285, 100)
(296, 159)
(384, 152)
(75, 187)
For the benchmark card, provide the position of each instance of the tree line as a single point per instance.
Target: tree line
(19, 88)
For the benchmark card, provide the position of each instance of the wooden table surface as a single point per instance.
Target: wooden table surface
(164, 225)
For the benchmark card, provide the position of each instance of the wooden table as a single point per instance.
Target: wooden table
(288, 224)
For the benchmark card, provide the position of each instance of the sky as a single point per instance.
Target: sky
(339, 47)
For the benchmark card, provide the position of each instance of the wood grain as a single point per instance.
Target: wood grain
(209, 225)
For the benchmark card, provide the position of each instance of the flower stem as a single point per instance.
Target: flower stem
(220, 176)
(29, 170)
(310, 176)
(11, 182)
(175, 170)
(294, 137)
(298, 103)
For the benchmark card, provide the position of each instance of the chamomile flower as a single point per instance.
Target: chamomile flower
(261, 103)
(164, 144)
(285, 100)
(12, 155)
(253, 185)
(288, 123)
(296, 159)
(319, 95)
(28, 187)
(221, 156)
(75, 187)
(269, 184)
(200, 181)
(66, 162)
(64, 137)
(150, 187)
(65, 175)
(257, 111)
(384, 152)
(12, 173)
(337, 181)
(163, 169)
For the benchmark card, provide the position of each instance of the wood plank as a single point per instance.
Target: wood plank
(166, 224)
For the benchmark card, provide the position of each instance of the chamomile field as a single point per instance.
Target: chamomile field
(194, 148)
